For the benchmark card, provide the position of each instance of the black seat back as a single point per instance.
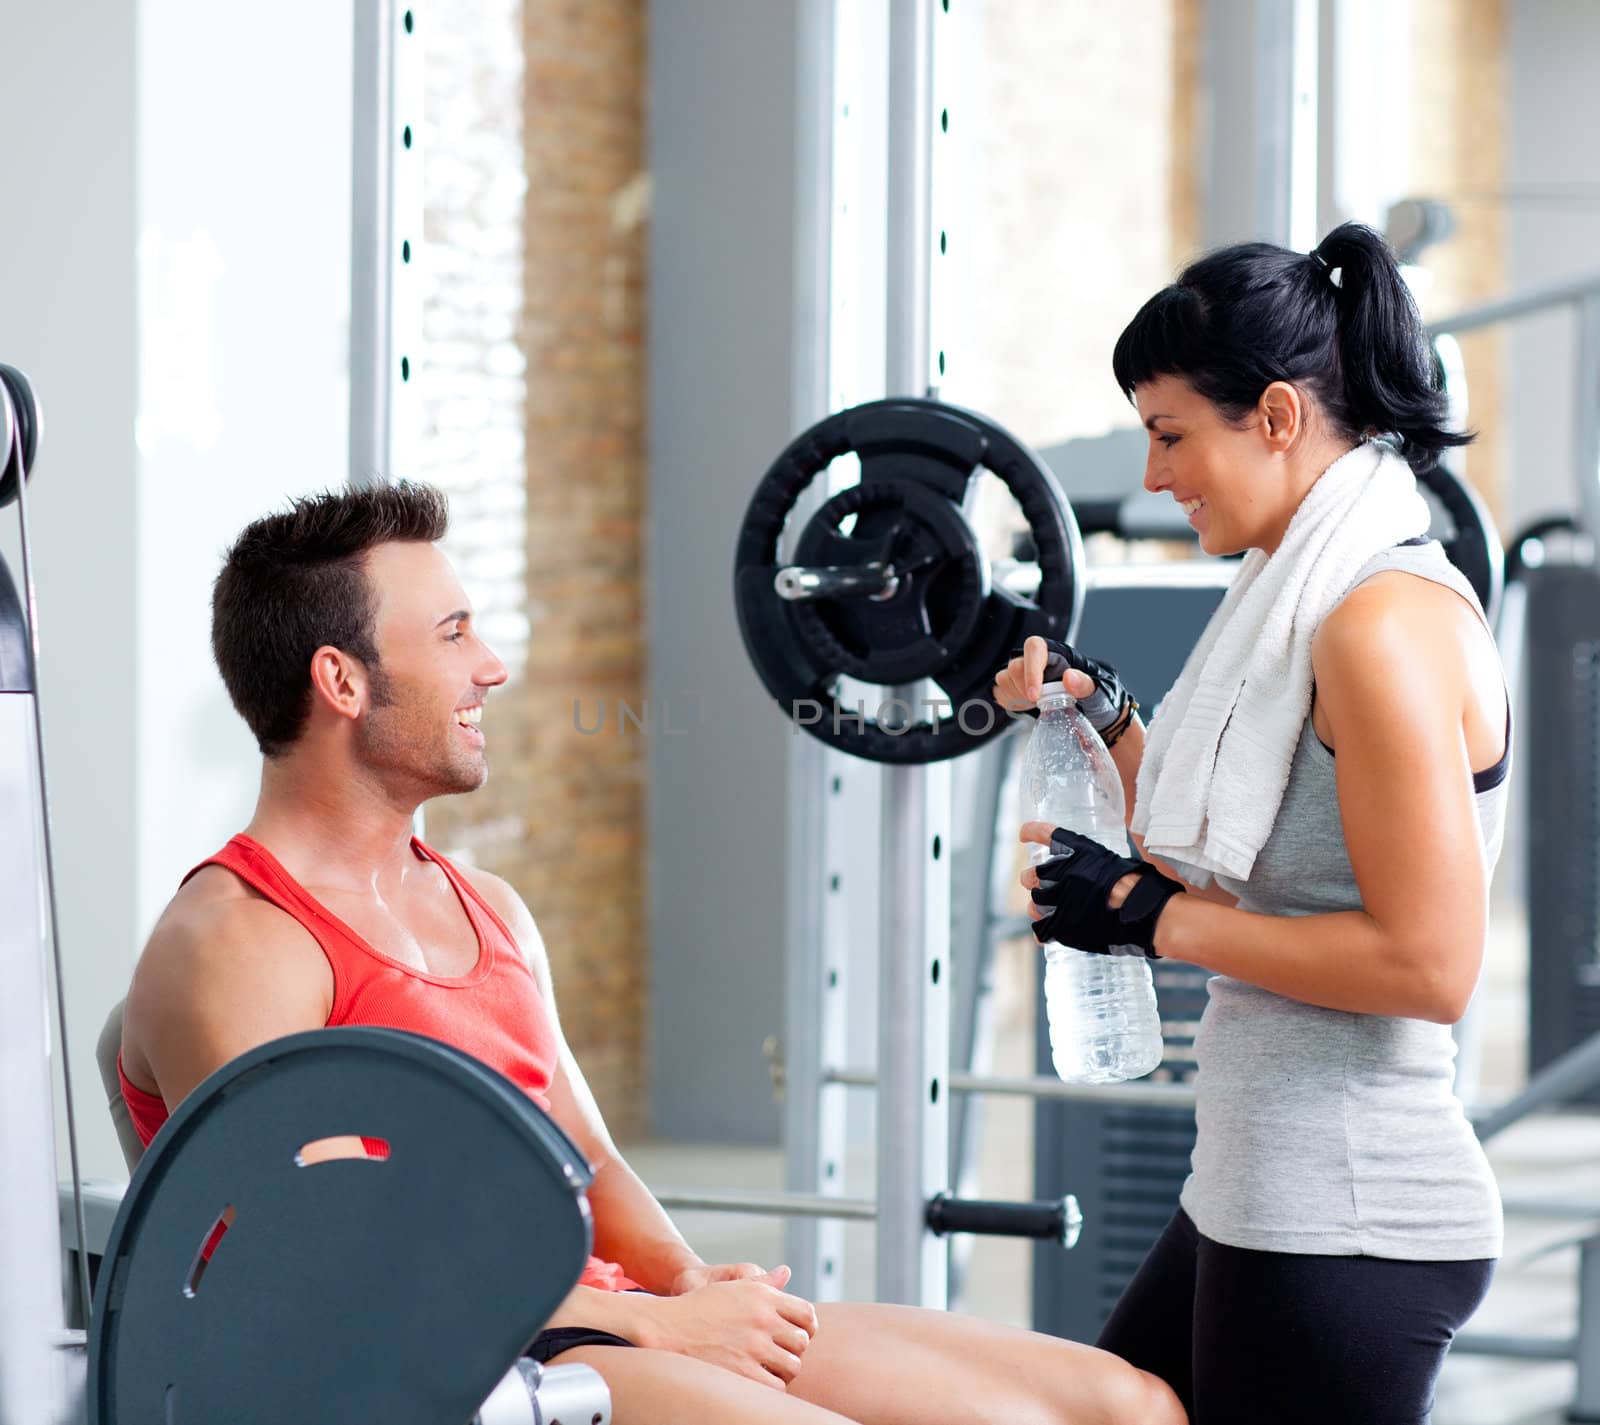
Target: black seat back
(241, 1287)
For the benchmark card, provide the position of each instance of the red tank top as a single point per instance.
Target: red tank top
(494, 1012)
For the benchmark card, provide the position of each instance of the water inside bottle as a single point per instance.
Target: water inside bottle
(1104, 1024)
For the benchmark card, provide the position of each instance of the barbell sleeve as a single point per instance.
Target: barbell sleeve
(797, 582)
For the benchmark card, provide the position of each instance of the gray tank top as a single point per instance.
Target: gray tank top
(1320, 1131)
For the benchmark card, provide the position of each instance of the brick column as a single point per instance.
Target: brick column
(536, 224)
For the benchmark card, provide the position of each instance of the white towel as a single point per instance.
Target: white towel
(1218, 750)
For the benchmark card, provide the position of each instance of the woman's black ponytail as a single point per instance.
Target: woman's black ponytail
(1391, 382)
(1339, 322)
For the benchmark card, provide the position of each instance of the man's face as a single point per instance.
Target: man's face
(428, 692)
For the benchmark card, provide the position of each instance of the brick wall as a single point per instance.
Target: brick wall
(537, 203)
(1459, 126)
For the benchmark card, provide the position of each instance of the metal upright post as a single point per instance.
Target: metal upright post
(32, 1383)
(385, 244)
(1587, 434)
(1261, 58)
(913, 1005)
(385, 238)
(34, 1380)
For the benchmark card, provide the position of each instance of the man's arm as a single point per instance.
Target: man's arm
(216, 980)
(630, 1227)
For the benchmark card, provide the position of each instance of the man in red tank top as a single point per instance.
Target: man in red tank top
(349, 648)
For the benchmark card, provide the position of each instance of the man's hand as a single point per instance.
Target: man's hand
(746, 1326)
(693, 1278)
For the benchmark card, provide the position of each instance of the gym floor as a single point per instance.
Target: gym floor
(1553, 1157)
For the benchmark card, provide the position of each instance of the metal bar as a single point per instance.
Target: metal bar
(1249, 59)
(31, 1312)
(1541, 299)
(1528, 1348)
(910, 238)
(371, 249)
(913, 995)
(1573, 1073)
(769, 1204)
(1572, 1207)
(1040, 1086)
(1586, 1395)
(1586, 448)
(815, 943)
(913, 1034)
(799, 582)
(385, 239)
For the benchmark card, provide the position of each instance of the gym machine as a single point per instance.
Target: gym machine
(247, 1281)
(372, 1288)
(1550, 634)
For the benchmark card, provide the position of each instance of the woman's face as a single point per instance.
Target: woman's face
(1228, 477)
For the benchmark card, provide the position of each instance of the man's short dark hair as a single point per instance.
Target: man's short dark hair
(296, 581)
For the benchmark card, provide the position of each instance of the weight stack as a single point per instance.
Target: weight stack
(1559, 755)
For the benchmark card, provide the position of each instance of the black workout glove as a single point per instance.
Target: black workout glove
(1109, 703)
(1074, 890)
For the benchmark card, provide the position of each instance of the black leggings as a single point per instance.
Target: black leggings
(1246, 1337)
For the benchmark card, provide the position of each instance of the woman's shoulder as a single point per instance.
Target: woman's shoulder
(1423, 636)
(1397, 609)
(1392, 626)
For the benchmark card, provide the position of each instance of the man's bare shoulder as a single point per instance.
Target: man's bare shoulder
(215, 914)
(502, 898)
(223, 971)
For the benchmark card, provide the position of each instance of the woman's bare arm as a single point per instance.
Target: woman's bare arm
(1391, 678)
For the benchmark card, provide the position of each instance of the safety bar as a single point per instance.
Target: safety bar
(768, 1204)
(1139, 1094)
(1583, 296)
(1528, 1348)
(1510, 309)
(1575, 1072)
(1054, 1221)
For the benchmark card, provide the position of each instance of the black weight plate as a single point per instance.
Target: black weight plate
(798, 651)
(20, 435)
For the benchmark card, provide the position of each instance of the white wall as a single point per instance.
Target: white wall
(244, 243)
(174, 253)
(67, 318)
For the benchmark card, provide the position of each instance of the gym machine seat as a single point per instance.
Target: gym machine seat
(106, 1049)
(247, 1281)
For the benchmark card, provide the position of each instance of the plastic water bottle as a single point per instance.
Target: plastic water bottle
(1104, 1026)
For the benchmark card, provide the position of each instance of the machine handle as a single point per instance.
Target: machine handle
(1059, 1221)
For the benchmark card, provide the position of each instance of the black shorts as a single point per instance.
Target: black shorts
(1258, 1338)
(548, 1344)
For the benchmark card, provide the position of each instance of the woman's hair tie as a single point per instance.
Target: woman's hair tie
(1335, 275)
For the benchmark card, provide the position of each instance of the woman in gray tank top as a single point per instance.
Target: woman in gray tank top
(1340, 1222)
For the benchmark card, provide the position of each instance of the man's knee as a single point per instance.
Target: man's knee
(1140, 1398)
(638, 1373)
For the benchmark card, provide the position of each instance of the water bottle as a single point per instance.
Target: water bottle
(1104, 1026)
